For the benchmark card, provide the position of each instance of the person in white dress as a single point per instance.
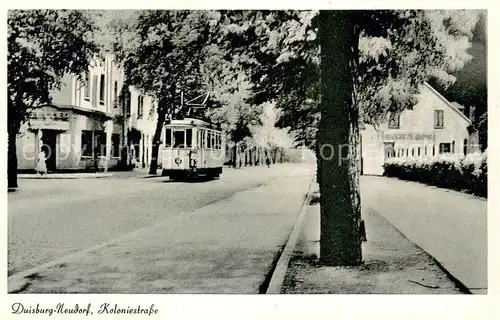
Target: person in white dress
(41, 166)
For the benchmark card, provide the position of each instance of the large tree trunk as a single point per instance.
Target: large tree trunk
(13, 124)
(338, 142)
(156, 140)
(12, 160)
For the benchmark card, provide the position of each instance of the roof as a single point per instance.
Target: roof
(192, 122)
(452, 106)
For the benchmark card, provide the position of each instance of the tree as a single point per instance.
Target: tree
(371, 64)
(43, 46)
(274, 140)
(164, 58)
(230, 90)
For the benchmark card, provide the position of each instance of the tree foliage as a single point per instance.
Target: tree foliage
(43, 46)
(398, 50)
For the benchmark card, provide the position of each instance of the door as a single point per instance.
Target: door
(388, 149)
(49, 139)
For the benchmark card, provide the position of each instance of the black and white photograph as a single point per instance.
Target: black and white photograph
(278, 151)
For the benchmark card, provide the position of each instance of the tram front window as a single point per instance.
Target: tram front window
(189, 137)
(179, 139)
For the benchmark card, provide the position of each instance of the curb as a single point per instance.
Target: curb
(65, 178)
(279, 272)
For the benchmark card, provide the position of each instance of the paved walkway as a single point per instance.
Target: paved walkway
(449, 225)
(392, 264)
(226, 247)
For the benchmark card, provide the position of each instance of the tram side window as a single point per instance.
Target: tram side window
(209, 139)
(179, 139)
(168, 138)
(189, 138)
(213, 140)
(218, 140)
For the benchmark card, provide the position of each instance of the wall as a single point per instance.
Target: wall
(416, 131)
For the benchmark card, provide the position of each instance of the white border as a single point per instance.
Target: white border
(297, 306)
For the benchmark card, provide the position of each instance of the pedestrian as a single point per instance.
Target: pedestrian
(41, 165)
(268, 161)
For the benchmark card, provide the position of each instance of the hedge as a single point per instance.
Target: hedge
(453, 171)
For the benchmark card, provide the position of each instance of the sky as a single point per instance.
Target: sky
(472, 78)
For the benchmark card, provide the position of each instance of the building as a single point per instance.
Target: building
(140, 125)
(433, 127)
(88, 124)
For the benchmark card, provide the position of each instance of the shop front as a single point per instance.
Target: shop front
(73, 139)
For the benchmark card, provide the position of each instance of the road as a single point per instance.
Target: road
(48, 219)
(449, 225)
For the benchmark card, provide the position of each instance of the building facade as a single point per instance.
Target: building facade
(433, 127)
(140, 125)
(87, 126)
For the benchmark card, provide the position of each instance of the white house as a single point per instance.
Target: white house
(434, 126)
(87, 123)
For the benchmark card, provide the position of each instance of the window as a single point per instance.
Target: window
(189, 137)
(209, 139)
(140, 106)
(213, 141)
(425, 150)
(86, 143)
(453, 147)
(94, 91)
(394, 121)
(407, 152)
(418, 151)
(115, 145)
(179, 139)
(412, 152)
(198, 138)
(168, 138)
(86, 88)
(438, 119)
(465, 146)
(127, 100)
(433, 150)
(101, 90)
(203, 139)
(100, 143)
(115, 94)
(444, 147)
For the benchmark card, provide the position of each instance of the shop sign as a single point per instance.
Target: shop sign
(49, 125)
(412, 136)
(49, 119)
(49, 114)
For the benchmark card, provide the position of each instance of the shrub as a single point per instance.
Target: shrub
(453, 171)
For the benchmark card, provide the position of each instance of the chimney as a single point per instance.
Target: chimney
(472, 113)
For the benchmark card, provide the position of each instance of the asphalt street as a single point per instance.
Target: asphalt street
(451, 226)
(49, 219)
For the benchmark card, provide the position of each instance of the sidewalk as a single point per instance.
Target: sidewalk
(85, 175)
(229, 246)
(392, 264)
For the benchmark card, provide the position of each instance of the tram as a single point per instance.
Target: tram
(192, 148)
